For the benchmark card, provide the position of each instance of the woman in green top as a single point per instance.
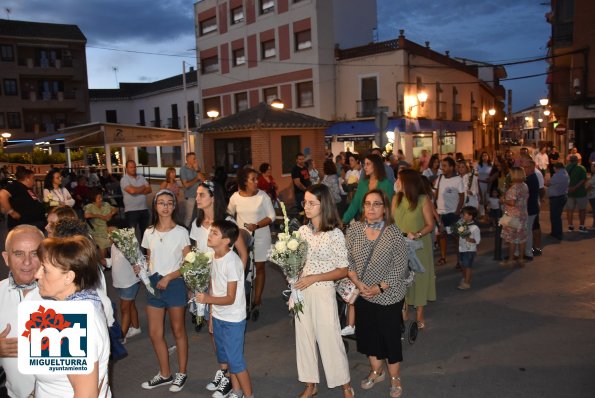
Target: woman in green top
(374, 178)
(414, 215)
(99, 213)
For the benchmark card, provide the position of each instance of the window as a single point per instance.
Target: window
(2, 122)
(369, 97)
(147, 156)
(209, 65)
(14, 120)
(211, 104)
(10, 87)
(239, 57)
(270, 94)
(208, 26)
(174, 121)
(6, 53)
(267, 6)
(303, 40)
(268, 49)
(290, 146)
(111, 116)
(305, 94)
(141, 118)
(233, 154)
(157, 121)
(191, 114)
(171, 156)
(237, 15)
(241, 101)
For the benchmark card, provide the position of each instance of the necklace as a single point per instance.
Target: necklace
(160, 234)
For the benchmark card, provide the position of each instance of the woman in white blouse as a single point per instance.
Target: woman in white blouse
(254, 212)
(326, 262)
(54, 193)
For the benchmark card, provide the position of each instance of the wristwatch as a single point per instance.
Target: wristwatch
(418, 235)
(380, 287)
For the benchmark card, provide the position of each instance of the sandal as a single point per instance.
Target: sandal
(395, 391)
(370, 381)
(421, 325)
(310, 390)
(441, 262)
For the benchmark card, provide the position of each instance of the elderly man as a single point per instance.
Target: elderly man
(135, 189)
(191, 178)
(21, 257)
(19, 201)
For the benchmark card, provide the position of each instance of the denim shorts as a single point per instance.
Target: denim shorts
(466, 259)
(229, 340)
(128, 293)
(173, 296)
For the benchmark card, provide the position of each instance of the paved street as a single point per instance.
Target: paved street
(516, 333)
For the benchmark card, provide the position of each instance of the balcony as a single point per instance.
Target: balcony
(441, 111)
(457, 112)
(367, 107)
(155, 123)
(173, 123)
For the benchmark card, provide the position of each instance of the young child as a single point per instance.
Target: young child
(126, 283)
(495, 207)
(167, 244)
(228, 307)
(468, 245)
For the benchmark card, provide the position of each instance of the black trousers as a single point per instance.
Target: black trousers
(557, 204)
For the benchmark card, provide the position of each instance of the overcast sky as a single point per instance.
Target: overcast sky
(486, 30)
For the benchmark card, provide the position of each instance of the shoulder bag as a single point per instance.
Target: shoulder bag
(345, 287)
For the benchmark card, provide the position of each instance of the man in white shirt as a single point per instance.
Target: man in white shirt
(21, 257)
(135, 189)
(450, 194)
(542, 160)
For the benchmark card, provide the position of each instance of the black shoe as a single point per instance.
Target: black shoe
(537, 252)
(528, 259)
(157, 381)
(255, 313)
(223, 388)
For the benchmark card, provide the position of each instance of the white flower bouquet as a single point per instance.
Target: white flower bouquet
(49, 201)
(196, 272)
(125, 240)
(289, 253)
(461, 228)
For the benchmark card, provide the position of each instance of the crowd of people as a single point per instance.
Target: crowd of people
(365, 217)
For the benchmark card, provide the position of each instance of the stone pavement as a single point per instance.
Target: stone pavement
(517, 333)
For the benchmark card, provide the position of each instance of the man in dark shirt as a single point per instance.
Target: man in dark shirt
(301, 180)
(532, 203)
(20, 203)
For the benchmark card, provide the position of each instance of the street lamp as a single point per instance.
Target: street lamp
(213, 113)
(544, 101)
(422, 97)
(5, 137)
(277, 104)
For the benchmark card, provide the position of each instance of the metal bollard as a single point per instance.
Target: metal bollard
(498, 243)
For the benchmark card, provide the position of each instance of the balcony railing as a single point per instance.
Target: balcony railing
(156, 123)
(367, 107)
(173, 123)
(48, 95)
(457, 112)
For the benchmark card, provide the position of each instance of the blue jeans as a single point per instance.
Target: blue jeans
(557, 204)
(139, 220)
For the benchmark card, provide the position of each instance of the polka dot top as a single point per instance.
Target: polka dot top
(388, 263)
(326, 252)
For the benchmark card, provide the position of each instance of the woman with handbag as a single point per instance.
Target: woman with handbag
(414, 215)
(515, 216)
(377, 255)
(326, 262)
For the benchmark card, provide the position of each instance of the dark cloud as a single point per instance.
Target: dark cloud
(109, 21)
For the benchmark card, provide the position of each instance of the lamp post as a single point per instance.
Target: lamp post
(213, 114)
(492, 113)
(5, 137)
(277, 104)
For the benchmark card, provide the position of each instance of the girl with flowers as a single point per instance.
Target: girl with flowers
(326, 262)
(167, 244)
(211, 206)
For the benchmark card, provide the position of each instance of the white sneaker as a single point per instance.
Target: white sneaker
(172, 349)
(348, 330)
(108, 263)
(133, 332)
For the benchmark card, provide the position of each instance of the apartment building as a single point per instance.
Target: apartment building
(250, 51)
(452, 115)
(44, 78)
(571, 78)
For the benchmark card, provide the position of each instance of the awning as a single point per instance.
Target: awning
(52, 140)
(361, 127)
(579, 112)
(367, 128)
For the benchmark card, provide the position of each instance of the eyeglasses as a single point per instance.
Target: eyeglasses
(310, 204)
(165, 204)
(373, 205)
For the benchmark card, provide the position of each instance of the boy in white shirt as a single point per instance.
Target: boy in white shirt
(468, 245)
(228, 306)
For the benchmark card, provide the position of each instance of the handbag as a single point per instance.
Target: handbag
(509, 221)
(345, 287)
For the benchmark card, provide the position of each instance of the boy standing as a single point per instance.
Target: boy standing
(468, 245)
(228, 308)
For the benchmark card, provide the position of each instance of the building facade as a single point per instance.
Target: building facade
(251, 51)
(44, 78)
(571, 78)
